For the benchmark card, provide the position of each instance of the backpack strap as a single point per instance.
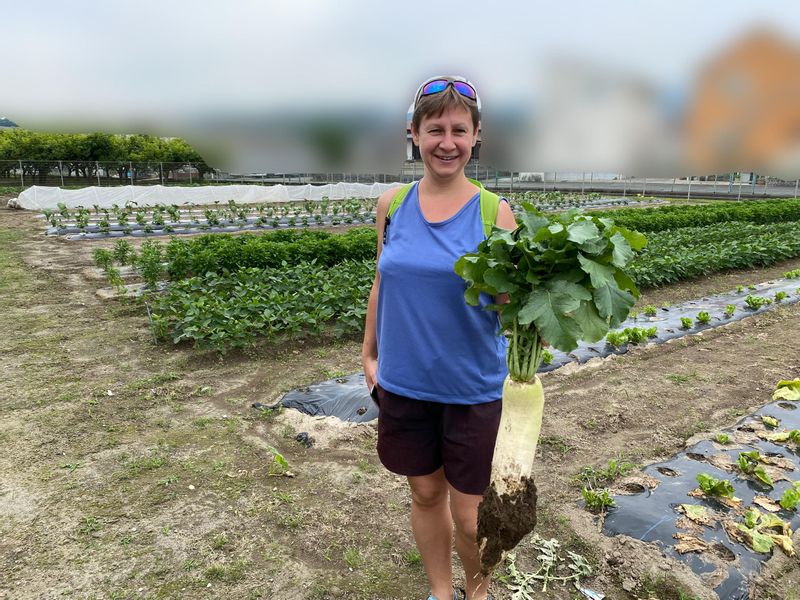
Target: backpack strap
(398, 198)
(489, 203)
(489, 206)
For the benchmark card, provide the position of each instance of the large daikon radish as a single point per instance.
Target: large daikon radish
(565, 282)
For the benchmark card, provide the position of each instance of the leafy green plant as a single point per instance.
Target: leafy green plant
(115, 278)
(565, 279)
(637, 335)
(686, 322)
(750, 464)
(617, 338)
(597, 500)
(791, 497)
(792, 274)
(722, 438)
(650, 310)
(595, 477)
(770, 421)
(124, 252)
(780, 296)
(102, 258)
(279, 465)
(547, 357)
(756, 302)
(711, 486)
(703, 317)
(729, 310)
(739, 289)
(149, 263)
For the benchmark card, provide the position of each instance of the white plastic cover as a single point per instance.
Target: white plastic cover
(40, 197)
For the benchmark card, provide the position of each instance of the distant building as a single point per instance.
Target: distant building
(595, 117)
(7, 123)
(744, 114)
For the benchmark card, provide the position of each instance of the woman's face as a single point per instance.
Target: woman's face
(445, 142)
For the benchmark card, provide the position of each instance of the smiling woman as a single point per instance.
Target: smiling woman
(437, 364)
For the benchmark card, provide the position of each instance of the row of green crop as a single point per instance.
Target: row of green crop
(224, 311)
(222, 252)
(673, 256)
(219, 251)
(173, 216)
(674, 217)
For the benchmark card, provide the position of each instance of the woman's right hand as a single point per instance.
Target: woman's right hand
(370, 365)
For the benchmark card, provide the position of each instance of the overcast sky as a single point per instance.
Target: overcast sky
(164, 66)
(90, 59)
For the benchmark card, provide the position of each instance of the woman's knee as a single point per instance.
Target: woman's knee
(464, 509)
(429, 490)
(467, 526)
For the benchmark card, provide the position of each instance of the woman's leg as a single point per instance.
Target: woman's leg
(464, 509)
(433, 530)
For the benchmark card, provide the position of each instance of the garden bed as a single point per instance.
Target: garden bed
(169, 483)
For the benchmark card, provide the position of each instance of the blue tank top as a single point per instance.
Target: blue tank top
(432, 345)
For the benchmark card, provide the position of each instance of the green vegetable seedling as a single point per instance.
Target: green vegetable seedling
(711, 486)
(597, 500)
(749, 463)
(722, 438)
(791, 497)
(686, 322)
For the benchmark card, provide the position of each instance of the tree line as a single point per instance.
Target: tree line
(79, 154)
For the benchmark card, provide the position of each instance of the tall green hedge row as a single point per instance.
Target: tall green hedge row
(673, 217)
(216, 253)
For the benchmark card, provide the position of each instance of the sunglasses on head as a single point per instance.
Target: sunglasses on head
(436, 86)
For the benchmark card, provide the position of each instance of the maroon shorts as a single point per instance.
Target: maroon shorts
(416, 437)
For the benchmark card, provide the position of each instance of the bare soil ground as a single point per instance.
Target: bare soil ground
(134, 470)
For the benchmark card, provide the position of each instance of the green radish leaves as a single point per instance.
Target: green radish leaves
(563, 274)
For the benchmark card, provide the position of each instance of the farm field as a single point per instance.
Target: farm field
(136, 470)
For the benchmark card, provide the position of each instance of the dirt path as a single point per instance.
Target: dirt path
(138, 471)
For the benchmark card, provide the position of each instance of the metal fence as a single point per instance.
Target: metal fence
(24, 173)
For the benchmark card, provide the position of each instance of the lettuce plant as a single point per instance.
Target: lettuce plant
(711, 486)
(756, 302)
(750, 464)
(791, 497)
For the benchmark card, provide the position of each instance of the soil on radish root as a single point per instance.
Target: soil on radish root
(504, 519)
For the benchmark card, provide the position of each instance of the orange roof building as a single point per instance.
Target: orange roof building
(745, 112)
